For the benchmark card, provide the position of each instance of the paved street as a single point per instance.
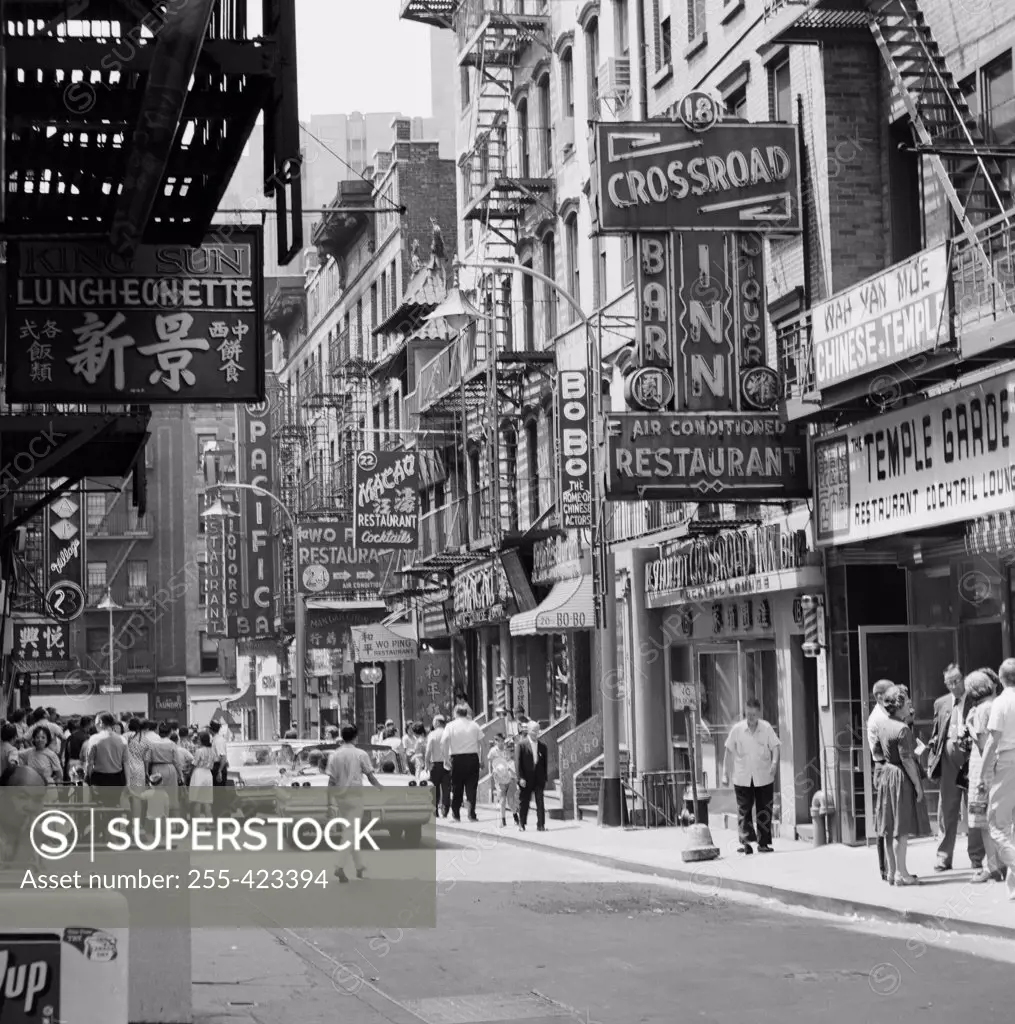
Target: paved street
(598, 945)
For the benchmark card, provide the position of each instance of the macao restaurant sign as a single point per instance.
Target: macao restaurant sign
(173, 324)
(698, 456)
(942, 461)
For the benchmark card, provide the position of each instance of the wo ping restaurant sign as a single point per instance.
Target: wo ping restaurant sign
(942, 461)
(172, 324)
(892, 316)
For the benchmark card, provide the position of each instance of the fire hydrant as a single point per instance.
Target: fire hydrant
(821, 809)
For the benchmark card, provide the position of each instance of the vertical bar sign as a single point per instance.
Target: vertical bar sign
(706, 367)
(575, 445)
(254, 616)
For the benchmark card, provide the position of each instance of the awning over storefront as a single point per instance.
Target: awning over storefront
(571, 604)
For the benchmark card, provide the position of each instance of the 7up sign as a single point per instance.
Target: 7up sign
(29, 979)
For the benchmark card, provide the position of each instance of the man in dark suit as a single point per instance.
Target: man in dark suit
(533, 761)
(946, 762)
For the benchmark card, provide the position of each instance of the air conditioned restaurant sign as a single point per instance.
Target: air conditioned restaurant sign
(945, 460)
(692, 456)
(892, 316)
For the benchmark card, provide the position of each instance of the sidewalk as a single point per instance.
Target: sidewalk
(834, 879)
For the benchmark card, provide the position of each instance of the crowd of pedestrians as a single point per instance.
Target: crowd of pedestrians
(970, 755)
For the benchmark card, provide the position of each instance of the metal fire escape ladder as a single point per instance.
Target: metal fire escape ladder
(941, 120)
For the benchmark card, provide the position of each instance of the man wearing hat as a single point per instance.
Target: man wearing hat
(433, 762)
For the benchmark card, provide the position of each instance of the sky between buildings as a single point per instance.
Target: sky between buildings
(358, 55)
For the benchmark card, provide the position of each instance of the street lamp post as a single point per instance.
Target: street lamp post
(108, 604)
(219, 511)
(458, 312)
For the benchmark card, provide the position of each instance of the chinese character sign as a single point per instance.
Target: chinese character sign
(64, 539)
(386, 500)
(175, 324)
(255, 616)
(42, 646)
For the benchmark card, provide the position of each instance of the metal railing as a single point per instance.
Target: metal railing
(978, 300)
(505, 152)
(126, 595)
(309, 386)
(471, 14)
(119, 523)
(662, 796)
(479, 505)
(629, 521)
(443, 530)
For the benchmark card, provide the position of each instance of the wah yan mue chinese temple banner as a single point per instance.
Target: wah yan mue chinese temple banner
(891, 316)
(386, 501)
(943, 461)
(174, 324)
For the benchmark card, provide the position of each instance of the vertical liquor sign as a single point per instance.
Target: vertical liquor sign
(650, 386)
(575, 444)
(254, 616)
(66, 542)
(706, 363)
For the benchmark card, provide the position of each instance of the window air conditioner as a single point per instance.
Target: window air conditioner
(615, 80)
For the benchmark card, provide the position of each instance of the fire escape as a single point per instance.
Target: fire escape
(967, 166)
(970, 168)
(478, 387)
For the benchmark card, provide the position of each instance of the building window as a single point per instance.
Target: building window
(209, 654)
(393, 281)
(466, 88)
(621, 33)
(627, 251)
(137, 580)
(550, 293)
(95, 511)
(567, 83)
(968, 89)
(592, 60)
(695, 19)
(599, 277)
(664, 52)
(999, 101)
(780, 94)
(528, 309)
(523, 138)
(202, 504)
(202, 584)
(736, 103)
(96, 581)
(97, 643)
(545, 126)
(573, 275)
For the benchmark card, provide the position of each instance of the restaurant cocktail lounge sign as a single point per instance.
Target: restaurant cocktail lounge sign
(942, 461)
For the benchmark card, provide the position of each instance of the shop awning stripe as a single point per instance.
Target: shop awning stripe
(570, 605)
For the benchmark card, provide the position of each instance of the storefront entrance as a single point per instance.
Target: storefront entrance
(911, 656)
(717, 680)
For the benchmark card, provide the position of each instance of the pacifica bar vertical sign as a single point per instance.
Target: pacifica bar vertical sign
(254, 615)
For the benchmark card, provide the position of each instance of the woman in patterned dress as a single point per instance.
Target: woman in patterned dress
(138, 765)
(901, 810)
(980, 692)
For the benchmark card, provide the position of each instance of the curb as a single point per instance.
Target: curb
(834, 905)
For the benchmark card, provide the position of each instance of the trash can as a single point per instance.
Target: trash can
(699, 814)
(63, 954)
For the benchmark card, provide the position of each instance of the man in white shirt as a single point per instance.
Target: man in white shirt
(998, 773)
(752, 750)
(463, 741)
(347, 767)
(877, 716)
(433, 762)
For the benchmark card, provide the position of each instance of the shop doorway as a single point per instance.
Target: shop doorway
(912, 656)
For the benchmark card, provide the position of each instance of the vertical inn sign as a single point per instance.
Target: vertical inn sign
(575, 444)
(255, 615)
